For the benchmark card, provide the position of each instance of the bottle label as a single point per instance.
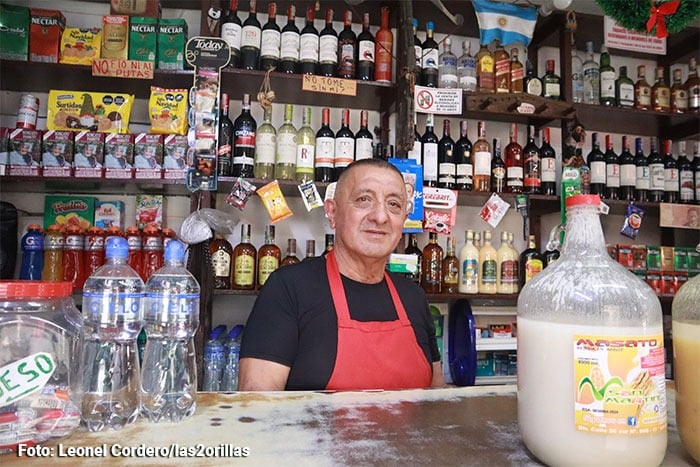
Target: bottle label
(612, 179)
(419, 56)
(347, 58)
(134, 242)
(433, 272)
(268, 264)
(244, 271)
(517, 74)
(470, 272)
(552, 90)
(619, 384)
(383, 60)
(289, 45)
(450, 277)
(663, 97)
(598, 172)
(503, 76)
(328, 49)
(103, 307)
(286, 148)
(549, 172)
(644, 97)
(464, 174)
(270, 44)
(486, 65)
(344, 151)
(447, 172)
(365, 52)
(325, 150)
(489, 271)
(671, 182)
(534, 87)
(642, 178)
(265, 144)
(309, 47)
(430, 162)
(532, 170)
(363, 148)
(74, 242)
(509, 272)
(414, 153)
(607, 85)
(306, 154)
(626, 95)
(231, 33)
(250, 37)
(482, 163)
(153, 243)
(532, 268)
(498, 175)
(627, 175)
(430, 59)
(221, 262)
(686, 185)
(694, 96)
(680, 99)
(515, 176)
(162, 305)
(448, 80)
(244, 139)
(656, 177)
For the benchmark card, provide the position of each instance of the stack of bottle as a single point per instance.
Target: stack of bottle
(221, 354)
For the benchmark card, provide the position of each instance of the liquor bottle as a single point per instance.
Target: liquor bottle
(696, 177)
(265, 146)
(270, 40)
(347, 49)
(430, 153)
(431, 269)
(548, 160)
(429, 63)
(244, 142)
(344, 145)
(551, 82)
(612, 170)
(517, 73)
(325, 150)
(624, 90)
(596, 162)
(447, 66)
(671, 175)
(231, 33)
(656, 172)
(642, 182)
(485, 70)
(289, 44)
(328, 48)
(450, 268)
(412, 249)
(488, 259)
(507, 264)
(383, 50)
(469, 266)
(269, 256)
(533, 85)
(418, 49)
(692, 86)
(514, 162)
(532, 164)
(607, 78)
(310, 249)
(685, 175)
(221, 254)
(501, 64)
(627, 171)
(466, 68)
(531, 262)
(417, 150)
(364, 143)
(244, 262)
(591, 77)
(306, 148)
(365, 51)
(225, 140)
(250, 39)
(679, 94)
(308, 45)
(498, 168)
(576, 73)
(642, 90)
(482, 160)
(463, 159)
(660, 93)
(291, 255)
(447, 167)
(286, 159)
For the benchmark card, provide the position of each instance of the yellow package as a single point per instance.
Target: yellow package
(92, 111)
(167, 110)
(274, 201)
(80, 46)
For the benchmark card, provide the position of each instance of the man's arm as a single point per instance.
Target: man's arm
(263, 375)
(438, 378)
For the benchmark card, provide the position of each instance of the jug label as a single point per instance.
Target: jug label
(619, 384)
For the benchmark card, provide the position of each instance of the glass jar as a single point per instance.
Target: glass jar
(591, 387)
(39, 338)
(686, 361)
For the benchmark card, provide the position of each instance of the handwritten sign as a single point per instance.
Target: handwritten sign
(24, 377)
(440, 101)
(342, 87)
(618, 37)
(120, 68)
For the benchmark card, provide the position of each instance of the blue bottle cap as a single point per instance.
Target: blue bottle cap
(174, 251)
(116, 247)
(415, 23)
(430, 25)
(235, 331)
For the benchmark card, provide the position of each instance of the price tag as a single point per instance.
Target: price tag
(329, 85)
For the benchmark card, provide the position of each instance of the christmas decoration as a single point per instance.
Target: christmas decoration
(657, 17)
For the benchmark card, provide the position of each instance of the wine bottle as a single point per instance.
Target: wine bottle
(347, 45)
(532, 164)
(656, 172)
(671, 176)
(607, 78)
(549, 164)
(344, 145)
(286, 160)
(289, 44)
(383, 50)
(514, 162)
(270, 42)
(430, 55)
(328, 48)
(612, 170)
(416, 151)
(596, 162)
(412, 249)
(265, 144)
(308, 52)
(463, 159)
(418, 49)
(365, 51)
(325, 150)
(685, 175)
(532, 84)
(498, 168)
(641, 184)
(225, 139)
(627, 171)
(482, 160)
(231, 33)
(364, 148)
(244, 142)
(306, 148)
(250, 39)
(692, 86)
(430, 153)
(447, 169)
(291, 255)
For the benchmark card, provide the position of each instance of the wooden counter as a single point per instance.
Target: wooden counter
(455, 426)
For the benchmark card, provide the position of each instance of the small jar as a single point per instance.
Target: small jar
(39, 338)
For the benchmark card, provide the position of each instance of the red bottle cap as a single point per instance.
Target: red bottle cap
(35, 289)
(582, 200)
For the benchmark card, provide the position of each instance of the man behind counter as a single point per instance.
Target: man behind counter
(340, 322)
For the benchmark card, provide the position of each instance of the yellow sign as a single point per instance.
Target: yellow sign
(340, 86)
(120, 68)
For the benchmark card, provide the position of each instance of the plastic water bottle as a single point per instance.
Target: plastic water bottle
(213, 360)
(32, 254)
(171, 317)
(232, 350)
(112, 302)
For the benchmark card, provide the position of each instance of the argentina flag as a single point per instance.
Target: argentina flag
(505, 22)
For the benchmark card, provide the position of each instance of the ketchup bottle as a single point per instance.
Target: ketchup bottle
(152, 251)
(94, 250)
(53, 254)
(73, 257)
(135, 259)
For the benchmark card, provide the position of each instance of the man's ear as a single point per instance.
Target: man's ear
(330, 208)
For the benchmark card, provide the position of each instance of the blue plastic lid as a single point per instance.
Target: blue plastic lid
(415, 22)
(174, 251)
(235, 331)
(430, 25)
(217, 331)
(116, 247)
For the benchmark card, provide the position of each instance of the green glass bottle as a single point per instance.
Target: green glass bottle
(607, 78)
(265, 145)
(286, 158)
(306, 149)
(624, 90)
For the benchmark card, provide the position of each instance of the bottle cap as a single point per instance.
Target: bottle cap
(35, 289)
(235, 332)
(174, 251)
(116, 247)
(582, 200)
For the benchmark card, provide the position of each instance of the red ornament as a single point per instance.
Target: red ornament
(658, 16)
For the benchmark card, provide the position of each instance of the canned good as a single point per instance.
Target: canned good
(27, 112)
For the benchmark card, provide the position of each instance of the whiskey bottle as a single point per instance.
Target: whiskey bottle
(244, 262)
(431, 269)
(692, 86)
(221, 254)
(450, 268)
(412, 249)
(624, 90)
(531, 262)
(501, 62)
(551, 82)
(291, 255)
(660, 93)
(679, 94)
(485, 70)
(517, 73)
(269, 256)
(642, 90)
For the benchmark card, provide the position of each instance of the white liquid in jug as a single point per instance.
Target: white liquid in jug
(686, 355)
(546, 399)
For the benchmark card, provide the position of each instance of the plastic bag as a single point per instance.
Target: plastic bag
(197, 227)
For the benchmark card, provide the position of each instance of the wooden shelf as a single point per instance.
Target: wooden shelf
(505, 108)
(174, 187)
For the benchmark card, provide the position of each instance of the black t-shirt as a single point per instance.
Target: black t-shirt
(293, 321)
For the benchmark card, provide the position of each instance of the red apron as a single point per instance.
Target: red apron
(374, 354)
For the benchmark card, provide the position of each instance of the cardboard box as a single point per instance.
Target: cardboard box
(653, 279)
(484, 364)
(667, 256)
(57, 153)
(14, 33)
(639, 257)
(69, 210)
(46, 30)
(693, 262)
(88, 154)
(653, 258)
(175, 163)
(149, 8)
(149, 211)
(624, 256)
(148, 156)
(24, 152)
(612, 250)
(119, 156)
(680, 259)
(143, 38)
(172, 37)
(115, 36)
(109, 213)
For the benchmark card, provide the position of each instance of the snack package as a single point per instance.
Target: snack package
(142, 38)
(80, 46)
(57, 153)
(167, 111)
(149, 211)
(175, 148)
(88, 154)
(25, 152)
(274, 201)
(109, 214)
(45, 31)
(148, 156)
(633, 221)
(439, 209)
(310, 196)
(119, 156)
(65, 210)
(240, 193)
(115, 36)
(92, 111)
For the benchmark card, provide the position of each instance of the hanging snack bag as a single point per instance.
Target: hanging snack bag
(274, 201)
(167, 110)
(80, 46)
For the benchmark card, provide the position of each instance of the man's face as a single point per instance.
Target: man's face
(368, 212)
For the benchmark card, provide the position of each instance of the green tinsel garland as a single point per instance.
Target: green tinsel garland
(633, 14)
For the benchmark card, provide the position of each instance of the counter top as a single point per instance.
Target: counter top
(452, 426)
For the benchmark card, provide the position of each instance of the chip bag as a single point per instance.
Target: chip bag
(274, 201)
(167, 111)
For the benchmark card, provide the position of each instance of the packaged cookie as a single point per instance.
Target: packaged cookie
(90, 111)
(80, 46)
(167, 111)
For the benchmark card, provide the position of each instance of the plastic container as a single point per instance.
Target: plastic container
(232, 353)
(591, 387)
(39, 338)
(686, 361)
(213, 359)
